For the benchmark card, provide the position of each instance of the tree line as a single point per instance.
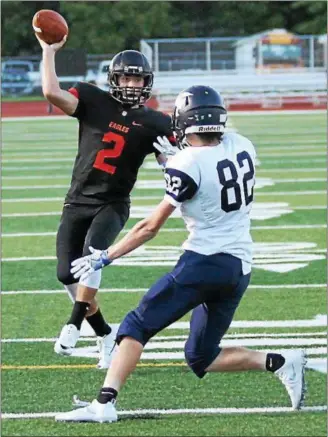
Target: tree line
(111, 26)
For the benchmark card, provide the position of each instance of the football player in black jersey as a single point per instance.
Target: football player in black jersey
(116, 133)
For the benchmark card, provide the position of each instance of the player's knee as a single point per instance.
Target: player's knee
(65, 276)
(200, 357)
(133, 326)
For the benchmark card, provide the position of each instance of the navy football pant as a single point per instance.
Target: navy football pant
(212, 286)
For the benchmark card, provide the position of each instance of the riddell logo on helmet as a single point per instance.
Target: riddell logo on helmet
(209, 129)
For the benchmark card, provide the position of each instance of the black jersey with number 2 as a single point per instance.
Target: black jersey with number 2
(113, 143)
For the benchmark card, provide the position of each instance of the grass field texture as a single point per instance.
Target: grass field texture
(284, 307)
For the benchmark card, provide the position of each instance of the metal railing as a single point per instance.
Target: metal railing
(213, 54)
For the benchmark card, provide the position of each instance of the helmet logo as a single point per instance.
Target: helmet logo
(181, 99)
(209, 129)
(132, 69)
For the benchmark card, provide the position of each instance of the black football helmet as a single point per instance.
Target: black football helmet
(198, 109)
(132, 63)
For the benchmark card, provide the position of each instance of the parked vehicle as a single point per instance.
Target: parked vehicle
(268, 50)
(100, 77)
(15, 82)
(26, 67)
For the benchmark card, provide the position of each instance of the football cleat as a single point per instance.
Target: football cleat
(67, 340)
(95, 412)
(106, 345)
(292, 375)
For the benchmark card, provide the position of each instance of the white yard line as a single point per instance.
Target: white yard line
(52, 234)
(143, 290)
(291, 193)
(158, 341)
(264, 154)
(154, 411)
(301, 180)
(279, 161)
(233, 113)
(38, 168)
(50, 149)
(39, 118)
(279, 112)
(67, 176)
(174, 344)
(289, 170)
(294, 161)
(53, 199)
(57, 176)
(269, 170)
(13, 161)
(309, 207)
(33, 187)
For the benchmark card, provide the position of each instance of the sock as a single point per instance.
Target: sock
(97, 322)
(107, 394)
(78, 313)
(274, 362)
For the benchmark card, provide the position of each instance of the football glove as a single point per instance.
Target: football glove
(164, 146)
(85, 266)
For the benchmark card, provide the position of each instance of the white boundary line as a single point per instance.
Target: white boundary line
(153, 411)
(169, 343)
(259, 170)
(287, 157)
(42, 117)
(260, 193)
(280, 112)
(306, 336)
(143, 290)
(52, 234)
(67, 176)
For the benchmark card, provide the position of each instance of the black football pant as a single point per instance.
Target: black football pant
(82, 226)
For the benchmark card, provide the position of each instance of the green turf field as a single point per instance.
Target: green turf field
(284, 307)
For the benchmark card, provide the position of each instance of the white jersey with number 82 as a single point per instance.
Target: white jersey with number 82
(214, 187)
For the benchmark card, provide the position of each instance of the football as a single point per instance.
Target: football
(50, 26)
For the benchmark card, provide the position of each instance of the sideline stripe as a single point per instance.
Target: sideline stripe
(137, 290)
(153, 411)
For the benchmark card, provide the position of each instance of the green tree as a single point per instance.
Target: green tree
(312, 17)
(110, 26)
(107, 27)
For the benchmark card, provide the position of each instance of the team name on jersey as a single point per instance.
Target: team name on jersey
(119, 127)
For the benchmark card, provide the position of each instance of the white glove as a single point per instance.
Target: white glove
(83, 267)
(164, 146)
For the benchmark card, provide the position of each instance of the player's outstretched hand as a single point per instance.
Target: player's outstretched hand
(164, 146)
(85, 266)
(55, 47)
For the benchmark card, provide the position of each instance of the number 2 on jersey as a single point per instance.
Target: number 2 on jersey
(232, 182)
(115, 152)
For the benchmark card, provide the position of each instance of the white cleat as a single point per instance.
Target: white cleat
(95, 412)
(292, 375)
(67, 340)
(106, 346)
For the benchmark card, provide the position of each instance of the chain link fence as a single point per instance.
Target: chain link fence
(185, 56)
(220, 54)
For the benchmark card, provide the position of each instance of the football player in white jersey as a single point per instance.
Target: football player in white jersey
(212, 181)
